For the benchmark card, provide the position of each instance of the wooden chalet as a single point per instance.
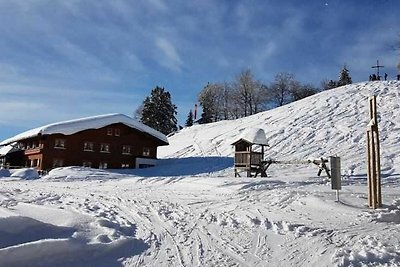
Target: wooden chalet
(249, 151)
(105, 141)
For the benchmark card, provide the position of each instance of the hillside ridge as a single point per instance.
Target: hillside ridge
(329, 123)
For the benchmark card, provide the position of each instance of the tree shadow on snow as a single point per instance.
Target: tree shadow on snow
(185, 166)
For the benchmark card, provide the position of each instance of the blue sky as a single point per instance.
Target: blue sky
(69, 59)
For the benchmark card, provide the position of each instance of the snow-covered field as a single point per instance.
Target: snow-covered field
(192, 211)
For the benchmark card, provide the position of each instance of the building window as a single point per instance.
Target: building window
(105, 148)
(58, 163)
(146, 151)
(117, 132)
(124, 165)
(109, 131)
(59, 143)
(87, 164)
(103, 165)
(88, 146)
(126, 150)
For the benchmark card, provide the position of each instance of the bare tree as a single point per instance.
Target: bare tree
(281, 88)
(327, 85)
(249, 94)
(301, 91)
(138, 112)
(214, 101)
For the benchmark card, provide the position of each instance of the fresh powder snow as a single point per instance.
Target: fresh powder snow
(190, 210)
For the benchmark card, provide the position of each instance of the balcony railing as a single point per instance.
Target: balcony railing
(30, 151)
(247, 159)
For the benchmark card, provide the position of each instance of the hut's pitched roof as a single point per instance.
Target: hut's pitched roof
(254, 136)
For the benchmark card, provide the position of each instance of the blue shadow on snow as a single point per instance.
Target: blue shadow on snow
(185, 166)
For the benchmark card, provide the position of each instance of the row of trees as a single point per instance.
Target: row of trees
(242, 97)
(246, 96)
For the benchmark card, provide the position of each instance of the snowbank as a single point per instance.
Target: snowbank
(80, 174)
(4, 173)
(26, 173)
(34, 235)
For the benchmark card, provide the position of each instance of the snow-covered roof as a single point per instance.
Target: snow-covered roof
(4, 150)
(254, 136)
(73, 126)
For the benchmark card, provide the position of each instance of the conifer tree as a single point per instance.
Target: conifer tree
(159, 112)
(205, 116)
(207, 99)
(344, 77)
(189, 120)
(327, 85)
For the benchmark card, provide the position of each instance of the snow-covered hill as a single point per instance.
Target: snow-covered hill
(190, 210)
(331, 123)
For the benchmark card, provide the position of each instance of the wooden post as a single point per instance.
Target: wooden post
(373, 157)
(369, 173)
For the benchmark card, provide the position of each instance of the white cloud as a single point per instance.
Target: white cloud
(171, 59)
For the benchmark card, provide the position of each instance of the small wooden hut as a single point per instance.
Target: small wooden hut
(249, 151)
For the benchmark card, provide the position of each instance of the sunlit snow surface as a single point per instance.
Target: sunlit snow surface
(192, 211)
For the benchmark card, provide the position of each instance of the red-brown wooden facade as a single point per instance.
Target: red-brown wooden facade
(113, 146)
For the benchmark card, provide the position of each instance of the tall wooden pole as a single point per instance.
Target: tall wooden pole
(373, 157)
(369, 169)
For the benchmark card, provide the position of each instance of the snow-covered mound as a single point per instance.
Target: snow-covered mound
(25, 173)
(39, 235)
(80, 174)
(331, 123)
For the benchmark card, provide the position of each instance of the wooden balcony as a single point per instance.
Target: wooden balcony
(32, 151)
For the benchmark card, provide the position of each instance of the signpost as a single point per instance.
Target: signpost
(336, 181)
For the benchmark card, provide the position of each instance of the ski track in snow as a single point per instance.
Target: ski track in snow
(223, 222)
(191, 211)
